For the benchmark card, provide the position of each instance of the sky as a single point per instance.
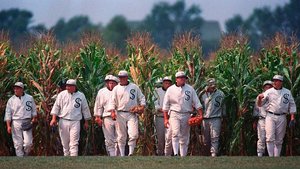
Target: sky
(48, 12)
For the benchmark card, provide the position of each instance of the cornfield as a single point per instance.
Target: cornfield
(238, 70)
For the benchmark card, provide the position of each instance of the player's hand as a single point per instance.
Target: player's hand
(261, 96)
(292, 123)
(166, 123)
(53, 122)
(113, 115)
(98, 121)
(86, 124)
(34, 120)
(9, 130)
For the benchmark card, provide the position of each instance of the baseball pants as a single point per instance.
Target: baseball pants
(160, 134)
(211, 133)
(22, 139)
(275, 131)
(69, 132)
(180, 132)
(168, 141)
(261, 133)
(127, 123)
(110, 134)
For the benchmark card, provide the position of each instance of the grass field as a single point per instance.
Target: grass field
(149, 162)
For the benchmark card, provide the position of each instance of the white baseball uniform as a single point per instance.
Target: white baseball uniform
(164, 141)
(123, 98)
(213, 111)
(260, 113)
(70, 108)
(278, 104)
(17, 110)
(109, 125)
(181, 102)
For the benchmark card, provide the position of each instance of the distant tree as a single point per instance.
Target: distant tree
(38, 29)
(15, 21)
(166, 20)
(235, 24)
(73, 29)
(264, 22)
(117, 31)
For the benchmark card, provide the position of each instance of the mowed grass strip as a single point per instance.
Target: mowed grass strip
(149, 162)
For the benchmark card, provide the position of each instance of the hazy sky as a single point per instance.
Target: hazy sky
(48, 12)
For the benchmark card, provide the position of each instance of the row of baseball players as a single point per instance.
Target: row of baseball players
(112, 110)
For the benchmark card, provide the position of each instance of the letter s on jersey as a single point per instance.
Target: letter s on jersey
(77, 102)
(188, 95)
(28, 105)
(132, 94)
(286, 98)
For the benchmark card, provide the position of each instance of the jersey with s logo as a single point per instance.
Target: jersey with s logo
(279, 101)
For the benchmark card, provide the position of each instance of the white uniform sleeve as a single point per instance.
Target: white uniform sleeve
(292, 105)
(166, 103)
(56, 107)
(85, 109)
(98, 108)
(196, 101)
(8, 111)
(34, 113)
(156, 99)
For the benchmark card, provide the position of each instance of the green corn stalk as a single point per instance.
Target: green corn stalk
(187, 56)
(8, 64)
(90, 68)
(235, 77)
(41, 71)
(144, 69)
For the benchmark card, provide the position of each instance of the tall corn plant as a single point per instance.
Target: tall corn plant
(280, 55)
(90, 67)
(144, 69)
(41, 70)
(187, 56)
(8, 63)
(235, 77)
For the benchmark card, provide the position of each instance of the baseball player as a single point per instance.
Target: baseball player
(103, 117)
(212, 101)
(162, 132)
(180, 99)
(70, 106)
(125, 96)
(260, 114)
(20, 113)
(279, 102)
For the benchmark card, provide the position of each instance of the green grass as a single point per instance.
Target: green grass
(153, 162)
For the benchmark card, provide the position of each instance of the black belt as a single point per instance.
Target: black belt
(66, 119)
(122, 111)
(277, 114)
(261, 117)
(159, 116)
(180, 112)
(211, 118)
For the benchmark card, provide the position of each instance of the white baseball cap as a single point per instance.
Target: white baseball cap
(123, 73)
(111, 77)
(180, 74)
(267, 82)
(71, 82)
(167, 78)
(19, 84)
(211, 82)
(108, 77)
(278, 77)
